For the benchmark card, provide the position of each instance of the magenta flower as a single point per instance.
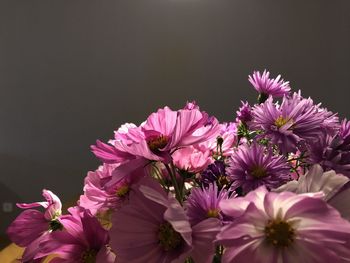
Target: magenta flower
(283, 227)
(82, 240)
(267, 86)
(153, 227)
(244, 114)
(31, 227)
(253, 165)
(203, 203)
(161, 134)
(32, 224)
(296, 120)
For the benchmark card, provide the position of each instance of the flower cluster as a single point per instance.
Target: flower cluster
(270, 186)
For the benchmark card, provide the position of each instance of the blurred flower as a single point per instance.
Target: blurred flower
(316, 180)
(216, 173)
(283, 227)
(254, 165)
(333, 152)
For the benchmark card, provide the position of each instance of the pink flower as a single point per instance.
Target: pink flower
(162, 133)
(153, 227)
(31, 227)
(283, 227)
(82, 240)
(192, 159)
(104, 189)
(227, 135)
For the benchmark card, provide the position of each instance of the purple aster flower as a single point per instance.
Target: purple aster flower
(203, 203)
(153, 227)
(268, 86)
(293, 121)
(283, 228)
(216, 173)
(254, 165)
(244, 113)
(333, 152)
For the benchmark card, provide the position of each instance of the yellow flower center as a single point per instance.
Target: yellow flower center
(280, 121)
(279, 233)
(213, 213)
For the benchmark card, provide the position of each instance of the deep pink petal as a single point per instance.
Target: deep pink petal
(27, 227)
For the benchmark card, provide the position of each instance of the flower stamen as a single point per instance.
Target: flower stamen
(279, 233)
(169, 239)
(158, 142)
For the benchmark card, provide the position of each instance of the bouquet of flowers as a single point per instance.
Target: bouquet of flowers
(271, 186)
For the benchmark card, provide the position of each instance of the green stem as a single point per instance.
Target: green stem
(173, 179)
(160, 177)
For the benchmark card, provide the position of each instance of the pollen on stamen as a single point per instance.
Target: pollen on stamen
(158, 142)
(280, 121)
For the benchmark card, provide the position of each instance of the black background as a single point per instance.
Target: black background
(72, 71)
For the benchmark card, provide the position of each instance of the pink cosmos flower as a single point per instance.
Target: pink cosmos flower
(223, 141)
(31, 224)
(192, 159)
(162, 133)
(283, 227)
(105, 190)
(153, 227)
(31, 227)
(82, 240)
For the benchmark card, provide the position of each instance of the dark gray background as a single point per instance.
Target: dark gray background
(72, 71)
